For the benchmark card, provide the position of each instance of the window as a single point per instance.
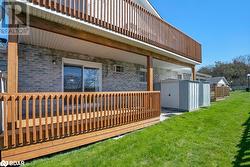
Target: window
(81, 76)
(142, 74)
(118, 68)
(72, 78)
(179, 76)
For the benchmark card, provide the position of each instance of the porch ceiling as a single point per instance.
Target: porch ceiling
(51, 40)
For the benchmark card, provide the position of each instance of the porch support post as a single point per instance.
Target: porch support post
(12, 64)
(150, 73)
(12, 73)
(193, 73)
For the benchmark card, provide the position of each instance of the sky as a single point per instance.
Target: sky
(221, 26)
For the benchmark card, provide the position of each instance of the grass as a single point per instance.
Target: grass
(217, 136)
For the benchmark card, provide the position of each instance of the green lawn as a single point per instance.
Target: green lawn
(218, 136)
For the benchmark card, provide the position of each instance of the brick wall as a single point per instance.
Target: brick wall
(3, 63)
(37, 73)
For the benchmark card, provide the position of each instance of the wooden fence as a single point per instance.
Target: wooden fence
(130, 19)
(219, 92)
(43, 117)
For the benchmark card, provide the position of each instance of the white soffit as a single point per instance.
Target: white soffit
(60, 42)
(82, 25)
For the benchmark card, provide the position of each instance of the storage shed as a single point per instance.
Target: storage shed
(181, 95)
(204, 94)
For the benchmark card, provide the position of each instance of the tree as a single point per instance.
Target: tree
(235, 71)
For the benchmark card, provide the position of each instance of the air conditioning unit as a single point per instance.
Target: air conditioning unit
(118, 69)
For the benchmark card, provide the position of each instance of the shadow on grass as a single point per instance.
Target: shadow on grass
(243, 157)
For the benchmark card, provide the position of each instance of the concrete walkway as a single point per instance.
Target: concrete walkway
(166, 114)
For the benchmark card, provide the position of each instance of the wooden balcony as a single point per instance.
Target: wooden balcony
(45, 123)
(127, 18)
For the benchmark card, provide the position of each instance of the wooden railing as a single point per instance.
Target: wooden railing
(128, 18)
(219, 92)
(41, 117)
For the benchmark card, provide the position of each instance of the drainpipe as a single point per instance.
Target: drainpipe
(1, 103)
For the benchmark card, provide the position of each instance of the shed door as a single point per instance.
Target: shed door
(170, 95)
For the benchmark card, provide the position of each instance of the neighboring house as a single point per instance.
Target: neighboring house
(218, 81)
(85, 73)
(202, 77)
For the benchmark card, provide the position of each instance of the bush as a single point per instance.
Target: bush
(248, 90)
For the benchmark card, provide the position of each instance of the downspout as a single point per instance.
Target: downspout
(2, 90)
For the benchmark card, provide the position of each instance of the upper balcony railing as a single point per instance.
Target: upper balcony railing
(128, 18)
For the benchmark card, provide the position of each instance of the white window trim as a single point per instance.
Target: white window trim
(83, 64)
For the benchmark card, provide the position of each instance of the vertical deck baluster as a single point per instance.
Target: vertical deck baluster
(13, 119)
(133, 96)
(86, 10)
(78, 9)
(86, 110)
(114, 109)
(116, 15)
(102, 111)
(122, 16)
(94, 11)
(127, 108)
(123, 108)
(6, 136)
(98, 110)
(109, 105)
(20, 113)
(102, 10)
(40, 119)
(134, 105)
(105, 110)
(117, 109)
(68, 122)
(143, 106)
(63, 121)
(125, 17)
(138, 106)
(111, 17)
(90, 10)
(81, 110)
(46, 118)
(147, 104)
(130, 108)
(97, 12)
(105, 13)
(59, 4)
(64, 6)
(34, 117)
(57, 116)
(90, 112)
(72, 114)
(77, 114)
(52, 116)
(27, 120)
(94, 112)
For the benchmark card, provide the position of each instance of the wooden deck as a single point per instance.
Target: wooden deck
(32, 130)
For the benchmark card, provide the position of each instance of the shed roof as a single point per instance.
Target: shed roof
(216, 80)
